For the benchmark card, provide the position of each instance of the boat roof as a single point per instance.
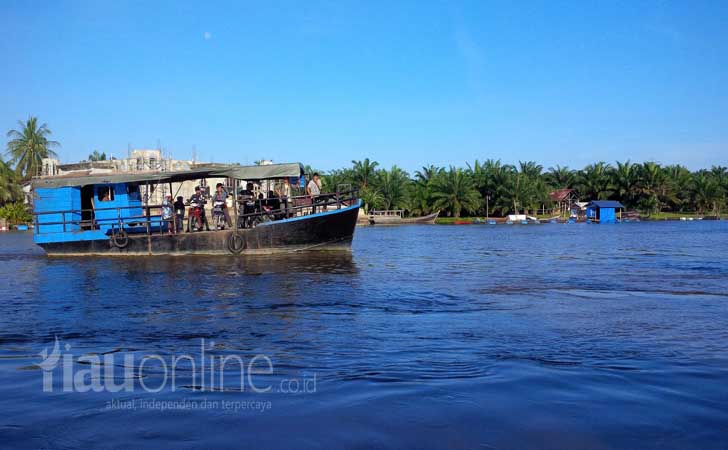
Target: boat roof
(605, 204)
(253, 173)
(265, 172)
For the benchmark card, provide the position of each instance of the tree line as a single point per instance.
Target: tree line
(503, 189)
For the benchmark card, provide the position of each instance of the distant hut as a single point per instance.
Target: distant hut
(563, 199)
(604, 211)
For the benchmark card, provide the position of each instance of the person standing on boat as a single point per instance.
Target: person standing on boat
(314, 191)
(314, 186)
(179, 213)
(221, 196)
(168, 214)
(284, 193)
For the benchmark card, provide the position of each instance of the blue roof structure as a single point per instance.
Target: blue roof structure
(605, 204)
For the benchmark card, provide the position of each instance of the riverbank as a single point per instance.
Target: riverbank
(663, 216)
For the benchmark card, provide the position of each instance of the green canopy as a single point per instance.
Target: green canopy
(267, 172)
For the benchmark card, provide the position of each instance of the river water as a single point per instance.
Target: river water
(550, 336)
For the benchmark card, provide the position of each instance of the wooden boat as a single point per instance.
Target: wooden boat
(396, 217)
(127, 226)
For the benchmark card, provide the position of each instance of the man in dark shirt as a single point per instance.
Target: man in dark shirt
(179, 213)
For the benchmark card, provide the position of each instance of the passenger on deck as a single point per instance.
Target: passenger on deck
(168, 215)
(284, 193)
(198, 198)
(179, 213)
(314, 186)
(221, 196)
(314, 190)
(246, 205)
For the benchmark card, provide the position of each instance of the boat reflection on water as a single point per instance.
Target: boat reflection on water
(336, 262)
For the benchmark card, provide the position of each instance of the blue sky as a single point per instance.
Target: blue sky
(406, 83)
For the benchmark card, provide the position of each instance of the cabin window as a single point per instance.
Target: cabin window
(132, 190)
(106, 194)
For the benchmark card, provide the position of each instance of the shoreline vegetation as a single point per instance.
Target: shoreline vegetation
(495, 189)
(491, 188)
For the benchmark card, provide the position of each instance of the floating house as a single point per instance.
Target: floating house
(604, 211)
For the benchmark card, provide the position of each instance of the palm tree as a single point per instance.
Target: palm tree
(594, 181)
(455, 191)
(9, 184)
(651, 186)
(371, 198)
(392, 184)
(28, 146)
(419, 199)
(560, 177)
(707, 193)
(364, 171)
(679, 179)
(623, 181)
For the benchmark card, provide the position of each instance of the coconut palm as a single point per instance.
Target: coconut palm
(454, 191)
(364, 171)
(28, 146)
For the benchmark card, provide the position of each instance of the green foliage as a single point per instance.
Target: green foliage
(454, 191)
(649, 187)
(96, 156)
(15, 213)
(363, 172)
(392, 184)
(10, 190)
(28, 145)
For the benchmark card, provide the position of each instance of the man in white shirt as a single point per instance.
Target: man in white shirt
(314, 186)
(314, 190)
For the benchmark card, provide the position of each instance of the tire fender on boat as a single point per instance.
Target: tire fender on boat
(235, 243)
(120, 239)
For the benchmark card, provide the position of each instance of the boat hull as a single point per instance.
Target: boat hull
(394, 220)
(331, 230)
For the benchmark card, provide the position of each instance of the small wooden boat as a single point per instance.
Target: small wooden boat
(396, 217)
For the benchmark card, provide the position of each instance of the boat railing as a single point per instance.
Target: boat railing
(388, 212)
(150, 220)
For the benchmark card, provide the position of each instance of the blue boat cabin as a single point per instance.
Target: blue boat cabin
(90, 212)
(604, 211)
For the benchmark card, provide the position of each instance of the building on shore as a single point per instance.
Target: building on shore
(604, 211)
(563, 199)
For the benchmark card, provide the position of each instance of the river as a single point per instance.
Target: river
(538, 336)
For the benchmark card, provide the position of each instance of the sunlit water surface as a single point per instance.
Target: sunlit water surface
(550, 336)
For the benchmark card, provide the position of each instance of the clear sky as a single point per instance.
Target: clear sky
(406, 83)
